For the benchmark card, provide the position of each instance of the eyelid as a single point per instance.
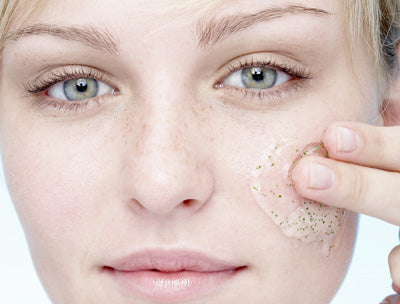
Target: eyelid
(263, 60)
(39, 87)
(259, 98)
(65, 73)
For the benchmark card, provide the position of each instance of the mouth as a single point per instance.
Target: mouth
(170, 276)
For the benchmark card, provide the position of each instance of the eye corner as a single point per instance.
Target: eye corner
(219, 84)
(115, 91)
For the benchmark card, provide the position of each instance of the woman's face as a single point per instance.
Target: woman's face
(147, 144)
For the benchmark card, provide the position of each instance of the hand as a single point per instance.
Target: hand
(393, 299)
(362, 174)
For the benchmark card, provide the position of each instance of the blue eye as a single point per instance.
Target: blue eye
(79, 88)
(256, 78)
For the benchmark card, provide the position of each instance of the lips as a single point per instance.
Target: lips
(171, 275)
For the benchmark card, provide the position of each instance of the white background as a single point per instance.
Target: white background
(367, 282)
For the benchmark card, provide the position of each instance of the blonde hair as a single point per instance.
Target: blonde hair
(375, 21)
(7, 10)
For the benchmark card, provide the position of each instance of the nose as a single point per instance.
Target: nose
(165, 170)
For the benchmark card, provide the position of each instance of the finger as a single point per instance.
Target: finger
(364, 144)
(393, 299)
(394, 264)
(364, 190)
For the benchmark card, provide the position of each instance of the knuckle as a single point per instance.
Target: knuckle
(359, 186)
(380, 144)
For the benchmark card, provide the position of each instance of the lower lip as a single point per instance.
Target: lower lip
(171, 286)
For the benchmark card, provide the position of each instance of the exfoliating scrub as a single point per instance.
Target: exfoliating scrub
(302, 220)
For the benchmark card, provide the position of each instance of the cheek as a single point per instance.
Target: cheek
(303, 221)
(49, 204)
(52, 181)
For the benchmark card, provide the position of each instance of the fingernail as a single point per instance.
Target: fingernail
(321, 177)
(347, 140)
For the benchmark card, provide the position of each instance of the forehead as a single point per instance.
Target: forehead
(27, 12)
(210, 21)
(92, 9)
(157, 16)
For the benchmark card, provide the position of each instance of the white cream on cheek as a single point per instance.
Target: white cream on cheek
(302, 220)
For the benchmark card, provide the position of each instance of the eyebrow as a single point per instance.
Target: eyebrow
(215, 30)
(87, 35)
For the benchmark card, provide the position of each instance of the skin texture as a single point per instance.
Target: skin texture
(167, 161)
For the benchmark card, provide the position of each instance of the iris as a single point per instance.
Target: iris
(80, 88)
(259, 77)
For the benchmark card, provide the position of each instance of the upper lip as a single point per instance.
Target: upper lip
(171, 261)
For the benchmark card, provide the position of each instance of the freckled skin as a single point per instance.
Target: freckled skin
(301, 220)
(92, 186)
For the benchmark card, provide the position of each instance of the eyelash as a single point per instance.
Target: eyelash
(67, 73)
(299, 74)
(44, 84)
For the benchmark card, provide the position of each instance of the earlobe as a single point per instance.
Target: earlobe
(391, 106)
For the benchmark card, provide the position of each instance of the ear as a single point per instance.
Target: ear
(391, 105)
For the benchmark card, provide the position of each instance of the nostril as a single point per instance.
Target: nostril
(191, 205)
(188, 203)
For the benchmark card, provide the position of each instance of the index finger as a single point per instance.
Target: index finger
(365, 145)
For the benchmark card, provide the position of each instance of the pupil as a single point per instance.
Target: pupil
(257, 74)
(81, 85)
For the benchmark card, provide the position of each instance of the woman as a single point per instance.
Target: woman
(159, 151)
